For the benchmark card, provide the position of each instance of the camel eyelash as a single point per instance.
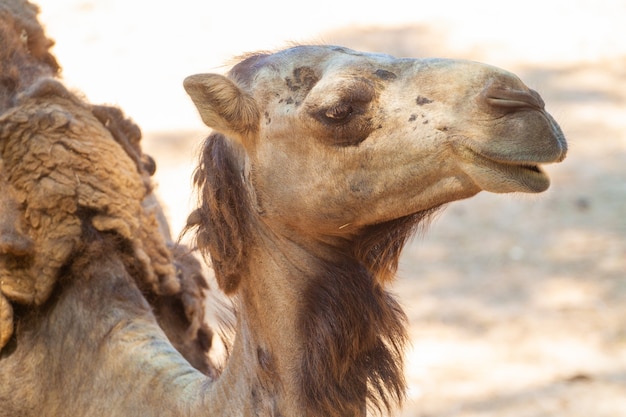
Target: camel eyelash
(339, 113)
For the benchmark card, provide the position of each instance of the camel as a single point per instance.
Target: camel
(321, 164)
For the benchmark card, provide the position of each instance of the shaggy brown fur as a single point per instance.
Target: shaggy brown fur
(340, 372)
(223, 216)
(378, 246)
(64, 163)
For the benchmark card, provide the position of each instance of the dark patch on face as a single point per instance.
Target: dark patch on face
(360, 187)
(291, 84)
(245, 70)
(303, 78)
(289, 101)
(412, 118)
(422, 100)
(385, 75)
(268, 119)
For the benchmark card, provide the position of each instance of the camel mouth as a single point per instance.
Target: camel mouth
(501, 175)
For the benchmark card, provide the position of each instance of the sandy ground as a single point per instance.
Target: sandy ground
(517, 304)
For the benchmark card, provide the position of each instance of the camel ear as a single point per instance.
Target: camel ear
(224, 106)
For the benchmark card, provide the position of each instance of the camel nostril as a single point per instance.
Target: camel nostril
(512, 99)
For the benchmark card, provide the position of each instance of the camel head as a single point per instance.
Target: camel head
(332, 140)
(334, 137)
(322, 162)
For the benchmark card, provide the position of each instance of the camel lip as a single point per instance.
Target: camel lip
(510, 164)
(515, 168)
(527, 174)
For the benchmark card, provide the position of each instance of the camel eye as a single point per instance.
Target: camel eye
(340, 112)
(342, 116)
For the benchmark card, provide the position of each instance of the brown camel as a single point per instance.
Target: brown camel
(322, 162)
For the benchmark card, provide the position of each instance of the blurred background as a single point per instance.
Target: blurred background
(517, 304)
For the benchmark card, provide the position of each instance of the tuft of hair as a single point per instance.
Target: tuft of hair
(222, 218)
(379, 246)
(339, 371)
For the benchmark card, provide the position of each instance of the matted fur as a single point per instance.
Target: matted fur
(48, 125)
(109, 195)
(103, 180)
(25, 50)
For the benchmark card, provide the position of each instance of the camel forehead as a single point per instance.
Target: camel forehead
(321, 60)
(302, 67)
(329, 55)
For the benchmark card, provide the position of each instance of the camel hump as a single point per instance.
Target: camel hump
(45, 88)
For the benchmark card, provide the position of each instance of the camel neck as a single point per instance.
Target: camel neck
(268, 343)
(313, 333)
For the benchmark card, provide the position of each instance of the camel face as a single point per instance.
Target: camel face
(336, 139)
